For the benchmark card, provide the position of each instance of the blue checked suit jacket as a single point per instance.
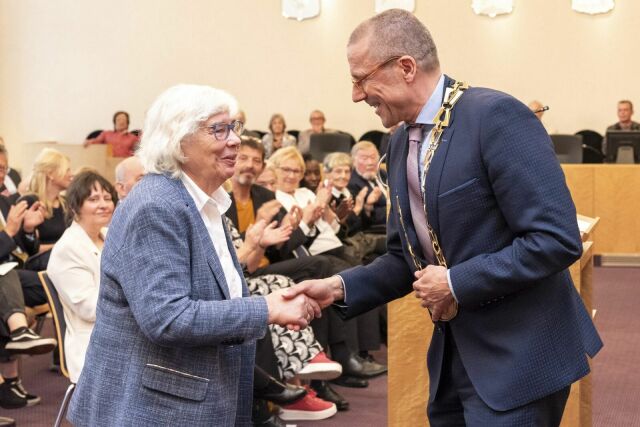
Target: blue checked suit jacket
(498, 202)
(169, 347)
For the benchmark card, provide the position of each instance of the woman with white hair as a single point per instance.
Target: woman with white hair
(174, 339)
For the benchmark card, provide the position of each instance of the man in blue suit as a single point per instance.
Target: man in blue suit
(496, 200)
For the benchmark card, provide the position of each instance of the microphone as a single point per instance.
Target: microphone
(541, 109)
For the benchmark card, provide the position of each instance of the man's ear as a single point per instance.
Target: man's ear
(409, 68)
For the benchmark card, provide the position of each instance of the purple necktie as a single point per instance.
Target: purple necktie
(416, 133)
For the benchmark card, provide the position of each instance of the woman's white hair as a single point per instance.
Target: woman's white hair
(177, 113)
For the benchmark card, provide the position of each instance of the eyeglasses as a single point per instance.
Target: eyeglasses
(221, 130)
(3, 169)
(290, 171)
(358, 82)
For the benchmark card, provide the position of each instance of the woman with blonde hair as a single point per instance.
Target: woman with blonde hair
(51, 175)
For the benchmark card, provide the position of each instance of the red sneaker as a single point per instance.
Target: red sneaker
(320, 368)
(309, 407)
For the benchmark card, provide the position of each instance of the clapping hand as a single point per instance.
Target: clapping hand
(268, 210)
(274, 235)
(344, 208)
(15, 217)
(293, 217)
(33, 217)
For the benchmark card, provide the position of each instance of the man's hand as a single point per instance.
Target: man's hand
(268, 210)
(254, 233)
(360, 199)
(432, 288)
(274, 235)
(15, 217)
(295, 312)
(374, 196)
(33, 217)
(323, 291)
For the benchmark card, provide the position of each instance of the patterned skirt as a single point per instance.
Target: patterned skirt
(294, 349)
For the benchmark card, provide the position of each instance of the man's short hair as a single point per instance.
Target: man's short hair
(626, 101)
(253, 143)
(397, 32)
(362, 145)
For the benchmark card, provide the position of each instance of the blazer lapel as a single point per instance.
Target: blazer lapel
(212, 258)
(437, 166)
(400, 194)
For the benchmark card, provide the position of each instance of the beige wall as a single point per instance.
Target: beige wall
(66, 66)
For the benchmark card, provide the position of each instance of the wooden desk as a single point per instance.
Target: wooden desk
(611, 192)
(410, 332)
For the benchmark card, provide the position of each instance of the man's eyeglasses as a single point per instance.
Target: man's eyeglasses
(290, 171)
(3, 169)
(220, 131)
(358, 82)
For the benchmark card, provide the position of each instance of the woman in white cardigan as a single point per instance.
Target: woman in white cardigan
(74, 266)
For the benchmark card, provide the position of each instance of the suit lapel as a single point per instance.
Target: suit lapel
(437, 167)
(399, 191)
(212, 258)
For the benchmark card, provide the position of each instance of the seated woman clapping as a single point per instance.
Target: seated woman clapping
(74, 266)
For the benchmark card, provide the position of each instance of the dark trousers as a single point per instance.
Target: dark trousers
(266, 362)
(299, 269)
(457, 404)
(11, 299)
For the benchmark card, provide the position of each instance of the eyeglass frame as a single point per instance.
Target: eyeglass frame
(289, 171)
(236, 126)
(358, 82)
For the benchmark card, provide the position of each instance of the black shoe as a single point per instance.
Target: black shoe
(18, 388)
(325, 392)
(357, 367)
(25, 341)
(7, 422)
(261, 415)
(280, 393)
(9, 399)
(349, 381)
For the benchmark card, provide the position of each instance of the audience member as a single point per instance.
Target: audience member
(121, 142)
(74, 266)
(267, 178)
(277, 137)
(185, 331)
(242, 117)
(538, 108)
(128, 172)
(51, 175)
(625, 112)
(19, 239)
(12, 178)
(317, 120)
(365, 158)
(312, 173)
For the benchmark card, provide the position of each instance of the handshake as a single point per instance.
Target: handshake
(297, 306)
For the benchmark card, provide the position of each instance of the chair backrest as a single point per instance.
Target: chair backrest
(324, 143)
(592, 148)
(568, 148)
(294, 132)
(94, 134)
(57, 313)
(374, 136)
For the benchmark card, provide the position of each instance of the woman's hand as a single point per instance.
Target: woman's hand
(311, 213)
(344, 208)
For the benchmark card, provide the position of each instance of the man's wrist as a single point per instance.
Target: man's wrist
(337, 288)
